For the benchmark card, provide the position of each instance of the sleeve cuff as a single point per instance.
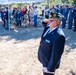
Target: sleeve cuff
(46, 71)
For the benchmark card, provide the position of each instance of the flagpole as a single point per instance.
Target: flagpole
(8, 17)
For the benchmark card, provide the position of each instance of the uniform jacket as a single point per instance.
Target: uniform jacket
(71, 15)
(74, 13)
(51, 48)
(65, 12)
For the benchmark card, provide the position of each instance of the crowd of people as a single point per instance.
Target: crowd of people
(29, 15)
(69, 12)
(18, 16)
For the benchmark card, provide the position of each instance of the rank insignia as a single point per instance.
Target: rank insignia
(54, 15)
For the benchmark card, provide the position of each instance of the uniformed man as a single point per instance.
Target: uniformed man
(61, 10)
(3, 17)
(47, 11)
(71, 16)
(35, 16)
(19, 17)
(52, 44)
(57, 8)
(7, 19)
(65, 13)
(74, 19)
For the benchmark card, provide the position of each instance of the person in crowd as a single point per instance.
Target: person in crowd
(3, 16)
(19, 17)
(71, 16)
(43, 9)
(74, 20)
(61, 10)
(25, 16)
(33, 5)
(31, 16)
(65, 13)
(25, 13)
(10, 11)
(52, 9)
(47, 11)
(7, 19)
(14, 15)
(23, 10)
(52, 44)
(35, 16)
(57, 8)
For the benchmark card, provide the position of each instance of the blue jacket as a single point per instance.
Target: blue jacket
(74, 13)
(65, 12)
(51, 48)
(71, 15)
(3, 15)
(19, 15)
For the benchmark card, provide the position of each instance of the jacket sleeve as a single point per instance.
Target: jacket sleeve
(57, 50)
(44, 24)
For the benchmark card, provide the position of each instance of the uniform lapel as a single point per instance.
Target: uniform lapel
(49, 38)
(45, 30)
(51, 33)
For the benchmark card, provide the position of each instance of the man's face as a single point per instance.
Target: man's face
(54, 22)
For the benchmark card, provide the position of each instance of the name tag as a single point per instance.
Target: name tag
(48, 41)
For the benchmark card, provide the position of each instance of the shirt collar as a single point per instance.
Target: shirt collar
(51, 29)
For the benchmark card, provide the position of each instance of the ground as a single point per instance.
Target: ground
(19, 48)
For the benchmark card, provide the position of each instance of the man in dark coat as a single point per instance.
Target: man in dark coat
(19, 17)
(3, 17)
(7, 23)
(52, 44)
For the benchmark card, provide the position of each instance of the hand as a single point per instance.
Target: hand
(46, 21)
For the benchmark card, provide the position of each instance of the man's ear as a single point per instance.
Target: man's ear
(58, 22)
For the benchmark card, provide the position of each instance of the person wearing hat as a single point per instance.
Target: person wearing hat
(52, 44)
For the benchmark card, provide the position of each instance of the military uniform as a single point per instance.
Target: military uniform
(71, 16)
(65, 13)
(61, 10)
(74, 19)
(51, 48)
